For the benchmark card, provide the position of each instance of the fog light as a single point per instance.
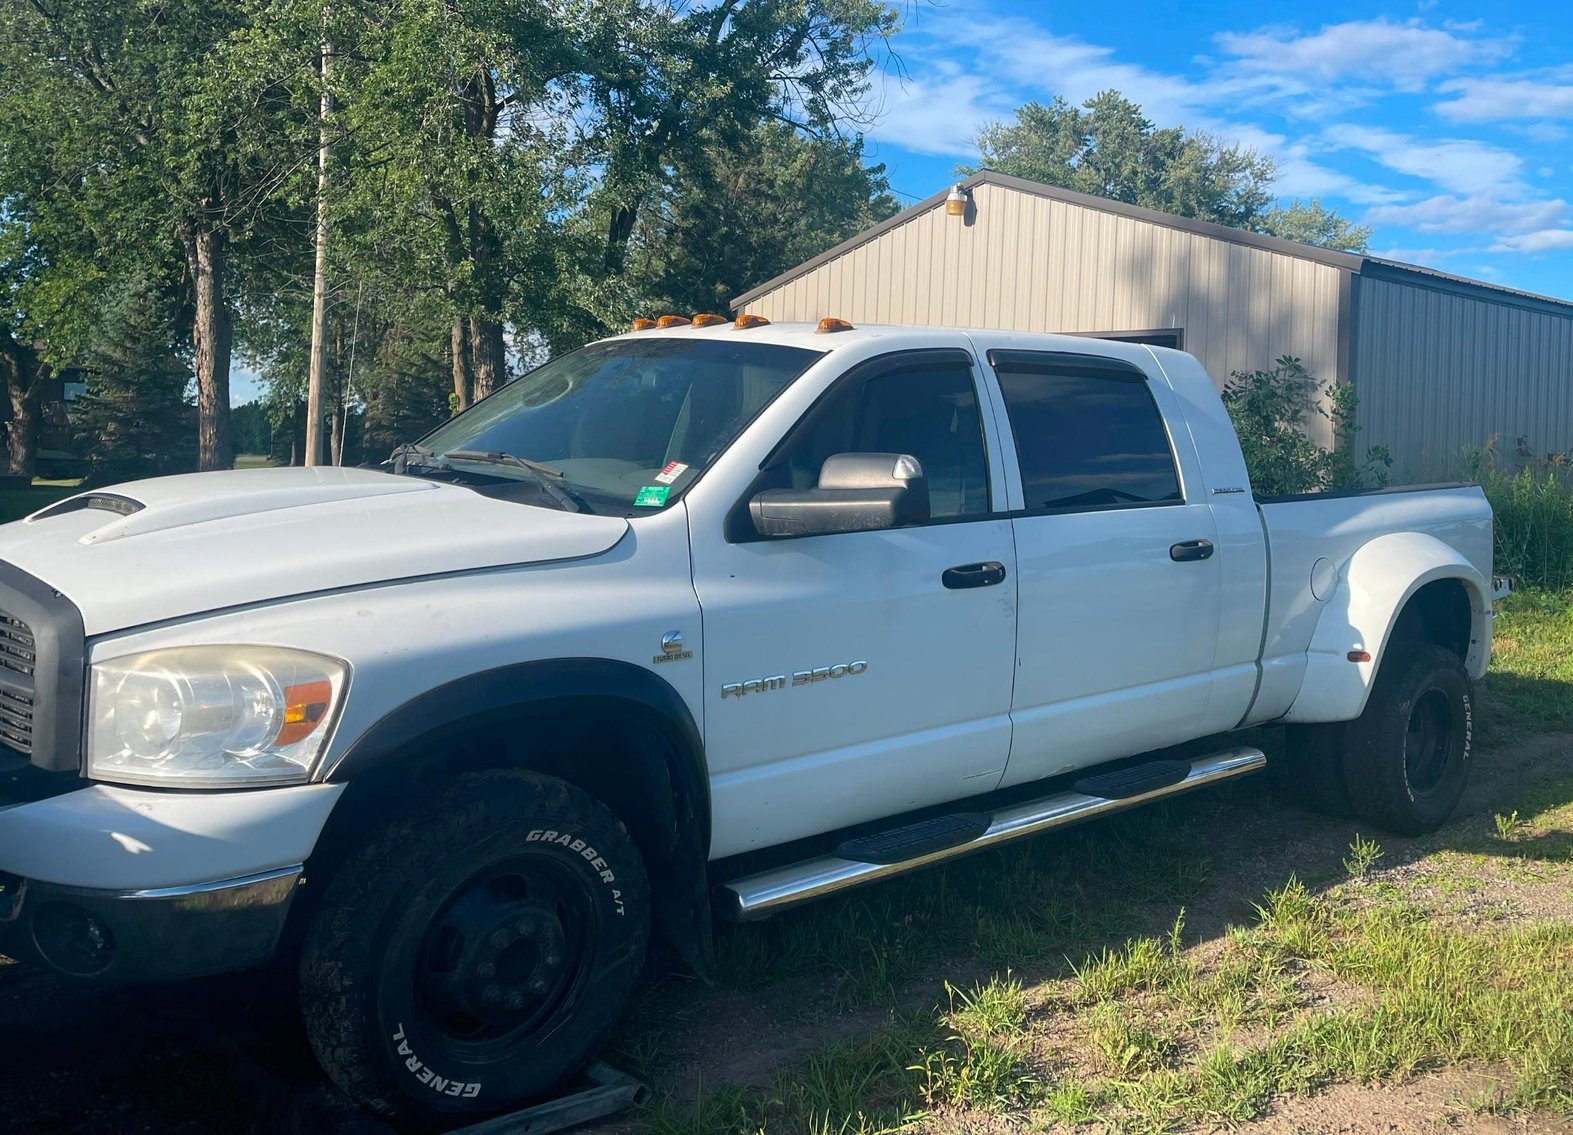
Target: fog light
(72, 939)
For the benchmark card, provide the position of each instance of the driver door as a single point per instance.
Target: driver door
(847, 677)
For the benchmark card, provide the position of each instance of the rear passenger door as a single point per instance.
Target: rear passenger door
(1119, 589)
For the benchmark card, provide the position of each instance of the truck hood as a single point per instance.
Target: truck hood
(178, 546)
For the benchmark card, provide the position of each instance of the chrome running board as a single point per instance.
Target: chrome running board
(764, 894)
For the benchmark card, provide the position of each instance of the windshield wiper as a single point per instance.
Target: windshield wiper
(539, 473)
(497, 457)
(400, 458)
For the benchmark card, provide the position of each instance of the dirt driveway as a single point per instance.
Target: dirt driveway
(226, 1055)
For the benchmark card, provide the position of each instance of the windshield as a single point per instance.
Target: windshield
(617, 427)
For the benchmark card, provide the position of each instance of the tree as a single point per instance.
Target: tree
(748, 214)
(502, 154)
(1108, 148)
(171, 125)
(134, 420)
(1309, 222)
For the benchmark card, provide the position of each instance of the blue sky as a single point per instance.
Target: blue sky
(1445, 126)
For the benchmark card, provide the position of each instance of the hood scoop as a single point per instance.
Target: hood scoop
(103, 502)
(170, 502)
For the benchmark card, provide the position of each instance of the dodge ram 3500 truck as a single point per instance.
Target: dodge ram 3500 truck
(703, 620)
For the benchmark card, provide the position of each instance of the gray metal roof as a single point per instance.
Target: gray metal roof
(1366, 265)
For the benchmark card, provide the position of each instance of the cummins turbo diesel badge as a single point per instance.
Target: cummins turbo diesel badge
(798, 678)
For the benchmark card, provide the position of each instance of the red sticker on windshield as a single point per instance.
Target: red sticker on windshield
(670, 472)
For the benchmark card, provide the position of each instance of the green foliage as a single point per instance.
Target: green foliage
(742, 216)
(1533, 510)
(1272, 411)
(1310, 222)
(1109, 148)
(1363, 854)
(252, 429)
(134, 419)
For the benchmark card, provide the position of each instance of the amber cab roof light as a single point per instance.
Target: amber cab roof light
(671, 321)
(643, 324)
(745, 321)
(830, 323)
(705, 319)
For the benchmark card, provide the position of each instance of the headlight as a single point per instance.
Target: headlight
(211, 716)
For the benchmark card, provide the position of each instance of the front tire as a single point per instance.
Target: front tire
(1407, 756)
(476, 952)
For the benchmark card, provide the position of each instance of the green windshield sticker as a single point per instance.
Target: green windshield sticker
(652, 496)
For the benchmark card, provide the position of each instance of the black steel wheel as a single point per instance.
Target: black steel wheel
(1407, 756)
(475, 954)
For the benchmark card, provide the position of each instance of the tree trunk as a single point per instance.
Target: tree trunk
(488, 352)
(26, 394)
(319, 285)
(463, 382)
(211, 337)
(619, 230)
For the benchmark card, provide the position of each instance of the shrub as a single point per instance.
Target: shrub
(1271, 410)
(1534, 514)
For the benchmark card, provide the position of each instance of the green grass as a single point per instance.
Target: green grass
(1532, 660)
(1144, 1038)
(1081, 999)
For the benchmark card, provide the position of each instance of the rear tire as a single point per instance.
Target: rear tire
(476, 952)
(1407, 756)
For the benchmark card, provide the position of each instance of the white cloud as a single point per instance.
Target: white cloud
(940, 115)
(1541, 240)
(1460, 165)
(1262, 89)
(1404, 55)
(984, 65)
(1483, 213)
(1495, 98)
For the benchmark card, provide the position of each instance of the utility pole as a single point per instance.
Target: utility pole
(319, 285)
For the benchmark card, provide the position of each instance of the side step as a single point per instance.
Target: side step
(867, 860)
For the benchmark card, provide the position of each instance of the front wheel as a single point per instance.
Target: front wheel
(1407, 756)
(476, 952)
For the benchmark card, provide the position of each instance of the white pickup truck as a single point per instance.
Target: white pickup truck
(453, 737)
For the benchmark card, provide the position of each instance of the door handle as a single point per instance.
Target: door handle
(1188, 550)
(973, 575)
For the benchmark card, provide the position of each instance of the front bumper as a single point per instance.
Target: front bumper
(141, 884)
(158, 934)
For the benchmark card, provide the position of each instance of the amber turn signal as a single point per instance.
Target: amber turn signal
(304, 706)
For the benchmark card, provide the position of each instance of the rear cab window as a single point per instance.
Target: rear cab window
(1088, 432)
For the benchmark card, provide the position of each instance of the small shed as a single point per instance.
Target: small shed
(1439, 362)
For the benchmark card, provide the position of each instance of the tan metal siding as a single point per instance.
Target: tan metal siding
(1029, 263)
(1437, 371)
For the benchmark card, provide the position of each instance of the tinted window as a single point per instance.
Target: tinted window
(1087, 439)
(626, 424)
(930, 413)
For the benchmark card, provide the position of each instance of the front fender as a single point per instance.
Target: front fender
(1373, 588)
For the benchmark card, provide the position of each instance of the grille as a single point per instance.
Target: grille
(18, 659)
